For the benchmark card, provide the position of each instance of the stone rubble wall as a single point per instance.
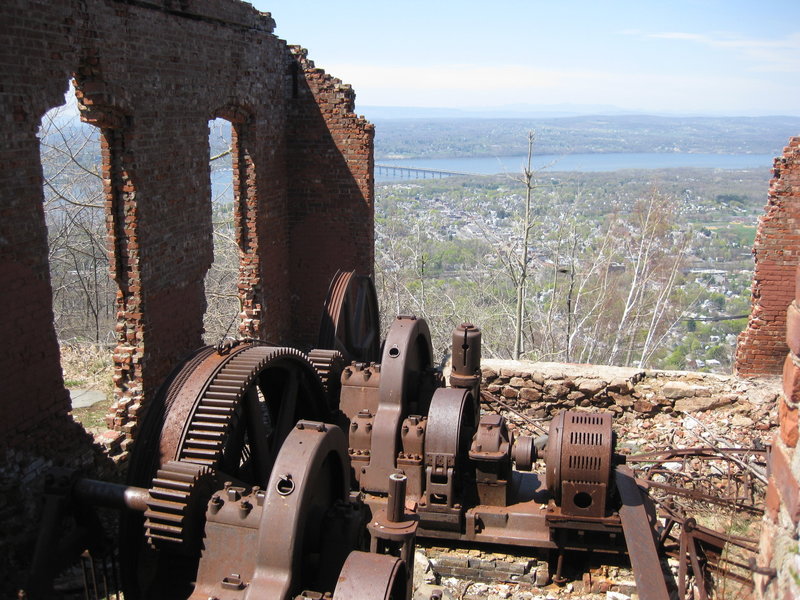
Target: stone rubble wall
(541, 390)
(492, 574)
(483, 566)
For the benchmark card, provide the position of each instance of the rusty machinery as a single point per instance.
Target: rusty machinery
(239, 487)
(261, 471)
(460, 464)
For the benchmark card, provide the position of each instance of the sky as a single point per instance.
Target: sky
(720, 57)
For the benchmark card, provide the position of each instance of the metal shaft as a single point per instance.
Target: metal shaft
(111, 495)
(395, 507)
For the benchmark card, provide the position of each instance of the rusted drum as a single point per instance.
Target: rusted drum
(350, 318)
(367, 576)
(579, 461)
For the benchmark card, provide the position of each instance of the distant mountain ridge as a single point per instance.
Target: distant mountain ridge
(529, 111)
(517, 111)
(471, 136)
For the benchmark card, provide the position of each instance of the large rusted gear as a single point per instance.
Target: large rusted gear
(227, 412)
(350, 318)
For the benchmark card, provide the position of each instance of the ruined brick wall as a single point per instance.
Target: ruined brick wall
(151, 74)
(762, 347)
(780, 534)
(327, 233)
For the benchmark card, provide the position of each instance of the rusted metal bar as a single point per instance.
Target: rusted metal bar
(639, 538)
(111, 495)
(696, 495)
(665, 454)
(491, 398)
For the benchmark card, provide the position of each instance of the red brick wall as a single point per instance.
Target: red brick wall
(151, 74)
(780, 525)
(762, 346)
(326, 224)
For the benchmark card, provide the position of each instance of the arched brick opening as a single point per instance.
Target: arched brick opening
(150, 79)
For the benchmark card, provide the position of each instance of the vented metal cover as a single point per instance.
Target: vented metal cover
(579, 456)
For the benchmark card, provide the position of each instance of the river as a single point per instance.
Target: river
(582, 162)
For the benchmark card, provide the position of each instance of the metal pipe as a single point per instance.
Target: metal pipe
(396, 502)
(111, 495)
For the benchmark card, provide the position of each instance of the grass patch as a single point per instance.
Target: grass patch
(87, 366)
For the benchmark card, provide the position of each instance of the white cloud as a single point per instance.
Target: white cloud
(770, 55)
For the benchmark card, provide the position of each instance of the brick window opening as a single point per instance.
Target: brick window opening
(223, 306)
(83, 290)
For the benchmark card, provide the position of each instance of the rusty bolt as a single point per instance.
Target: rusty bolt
(245, 508)
(216, 504)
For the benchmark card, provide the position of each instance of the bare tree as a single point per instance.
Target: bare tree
(519, 273)
(83, 292)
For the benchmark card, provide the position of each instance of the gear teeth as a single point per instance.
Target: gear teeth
(327, 363)
(171, 496)
(210, 424)
(179, 491)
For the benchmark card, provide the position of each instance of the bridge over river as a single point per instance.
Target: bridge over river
(416, 172)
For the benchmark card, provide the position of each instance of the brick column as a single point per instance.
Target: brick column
(762, 348)
(779, 534)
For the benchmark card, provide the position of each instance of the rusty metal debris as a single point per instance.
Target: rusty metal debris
(684, 480)
(705, 474)
(261, 471)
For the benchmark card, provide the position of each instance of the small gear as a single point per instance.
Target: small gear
(177, 504)
(329, 365)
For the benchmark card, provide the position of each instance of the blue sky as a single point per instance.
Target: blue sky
(729, 57)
